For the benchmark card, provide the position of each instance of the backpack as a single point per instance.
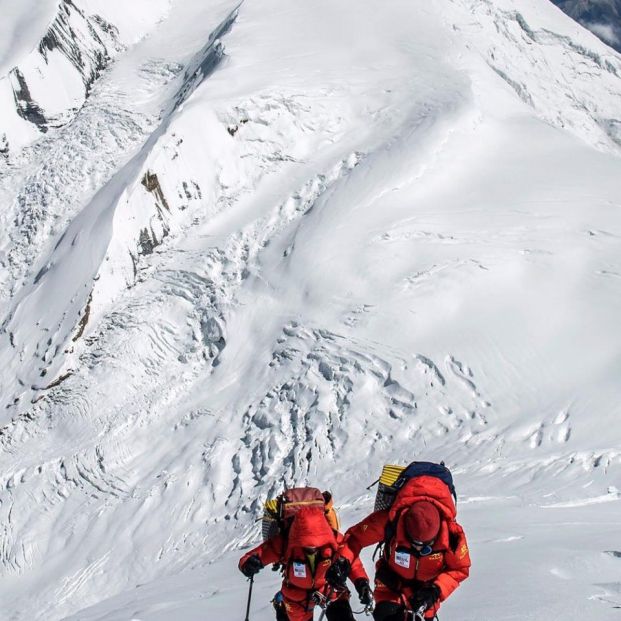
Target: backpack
(393, 478)
(279, 513)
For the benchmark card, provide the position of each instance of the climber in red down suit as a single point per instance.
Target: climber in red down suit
(425, 554)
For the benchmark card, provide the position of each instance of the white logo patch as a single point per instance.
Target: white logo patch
(299, 570)
(403, 559)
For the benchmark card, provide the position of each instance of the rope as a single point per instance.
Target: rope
(367, 610)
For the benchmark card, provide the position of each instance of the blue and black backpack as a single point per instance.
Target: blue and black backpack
(393, 478)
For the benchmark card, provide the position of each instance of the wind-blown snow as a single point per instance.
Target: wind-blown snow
(293, 242)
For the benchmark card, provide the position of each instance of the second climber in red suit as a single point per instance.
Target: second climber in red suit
(425, 555)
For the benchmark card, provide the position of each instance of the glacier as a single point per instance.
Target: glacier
(269, 243)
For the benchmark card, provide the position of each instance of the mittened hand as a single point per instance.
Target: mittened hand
(364, 591)
(252, 566)
(425, 596)
(337, 573)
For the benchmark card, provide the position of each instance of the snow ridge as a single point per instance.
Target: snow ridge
(549, 69)
(74, 51)
(48, 87)
(35, 216)
(602, 17)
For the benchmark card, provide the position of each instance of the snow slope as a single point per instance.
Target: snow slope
(321, 237)
(53, 53)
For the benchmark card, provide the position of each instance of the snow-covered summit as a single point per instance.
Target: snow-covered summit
(290, 242)
(51, 55)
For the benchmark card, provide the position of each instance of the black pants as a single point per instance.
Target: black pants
(389, 611)
(340, 610)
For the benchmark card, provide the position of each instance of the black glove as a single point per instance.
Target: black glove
(426, 596)
(337, 573)
(252, 566)
(364, 591)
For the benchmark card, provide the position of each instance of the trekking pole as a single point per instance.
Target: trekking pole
(374, 483)
(249, 598)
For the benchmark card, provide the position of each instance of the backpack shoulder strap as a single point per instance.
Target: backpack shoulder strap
(455, 535)
(389, 532)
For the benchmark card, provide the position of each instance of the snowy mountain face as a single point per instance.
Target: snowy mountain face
(602, 17)
(250, 244)
(48, 73)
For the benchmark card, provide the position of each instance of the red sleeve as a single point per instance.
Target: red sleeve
(357, 571)
(457, 562)
(269, 551)
(363, 534)
(357, 568)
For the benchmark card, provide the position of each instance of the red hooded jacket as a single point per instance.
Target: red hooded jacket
(447, 565)
(306, 553)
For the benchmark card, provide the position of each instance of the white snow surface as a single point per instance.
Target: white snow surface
(291, 242)
(22, 26)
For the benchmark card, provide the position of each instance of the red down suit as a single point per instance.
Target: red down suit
(304, 573)
(400, 570)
